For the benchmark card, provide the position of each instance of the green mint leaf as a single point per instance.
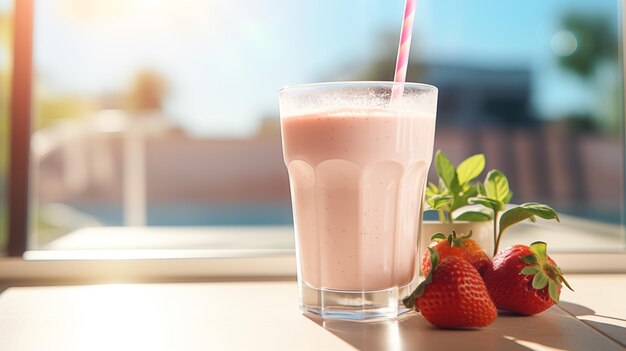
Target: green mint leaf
(526, 211)
(541, 210)
(514, 216)
(530, 259)
(470, 168)
(497, 185)
(481, 189)
(460, 199)
(439, 202)
(442, 187)
(553, 290)
(487, 202)
(438, 236)
(473, 216)
(446, 171)
(508, 198)
(431, 190)
(539, 248)
(540, 280)
(530, 270)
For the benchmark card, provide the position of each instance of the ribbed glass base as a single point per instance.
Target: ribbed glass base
(368, 305)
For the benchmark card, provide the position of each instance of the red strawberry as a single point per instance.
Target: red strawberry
(453, 295)
(459, 246)
(524, 279)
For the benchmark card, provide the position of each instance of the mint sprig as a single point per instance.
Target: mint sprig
(495, 194)
(454, 188)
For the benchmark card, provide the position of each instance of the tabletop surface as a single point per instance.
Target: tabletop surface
(264, 315)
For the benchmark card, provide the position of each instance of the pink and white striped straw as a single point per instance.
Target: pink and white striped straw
(404, 48)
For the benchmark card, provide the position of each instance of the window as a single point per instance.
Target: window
(164, 113)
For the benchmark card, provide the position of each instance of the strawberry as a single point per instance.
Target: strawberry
(460, 246)
(524, 280)
(453, 295)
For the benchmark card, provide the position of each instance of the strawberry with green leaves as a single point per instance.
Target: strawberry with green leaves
(453, 295)
(460, 246)
(524, 279)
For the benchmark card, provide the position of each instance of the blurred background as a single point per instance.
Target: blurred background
(165, 113)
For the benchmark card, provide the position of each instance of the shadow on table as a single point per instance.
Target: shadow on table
(553, 328)
(413, 332)
(603, 324)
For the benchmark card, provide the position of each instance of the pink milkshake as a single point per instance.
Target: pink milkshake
(357, 168)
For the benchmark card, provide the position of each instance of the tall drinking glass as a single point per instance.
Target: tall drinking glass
(358, 162)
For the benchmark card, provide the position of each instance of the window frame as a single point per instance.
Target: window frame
(18, 266)
(20, 128)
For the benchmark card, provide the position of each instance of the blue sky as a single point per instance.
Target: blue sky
(225, 60)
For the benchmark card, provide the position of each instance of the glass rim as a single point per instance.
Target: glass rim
(422, 86)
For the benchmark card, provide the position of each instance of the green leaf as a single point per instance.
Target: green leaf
(442, 186)
(438, 236)
(530, 270)
(460, 198)
(487, 202)
(470, 168)
(508, 197)
(526, 211)
(457, 242)
(530, 259)
(431, 190)
(481, 189)
(473, 216)
(434, 258)
(565, 282)
(409, 301)
(513, 216)
(540, 280)
(553, 290)
(541, 210)
(497, 185)
(446, 171)
(539, 248)
(439, 202)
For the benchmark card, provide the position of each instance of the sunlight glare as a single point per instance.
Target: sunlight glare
(123, 310)
(85, 11)
(531, 345)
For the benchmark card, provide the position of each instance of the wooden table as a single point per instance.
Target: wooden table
(264, 315)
